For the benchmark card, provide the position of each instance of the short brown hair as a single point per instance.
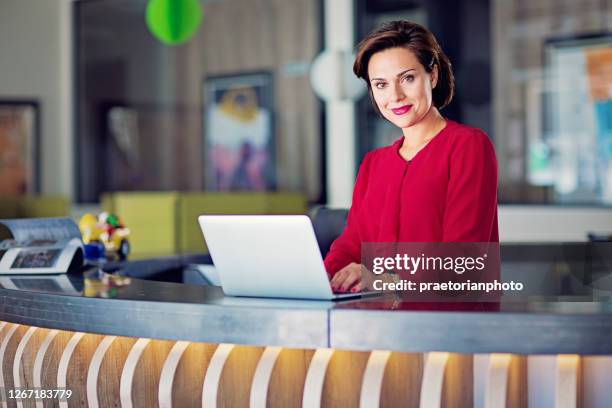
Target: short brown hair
(421, 42)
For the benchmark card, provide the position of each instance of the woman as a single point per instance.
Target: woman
(438, 183)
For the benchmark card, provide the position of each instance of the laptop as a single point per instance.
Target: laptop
(272, 256)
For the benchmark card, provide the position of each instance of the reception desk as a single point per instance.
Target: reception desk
(171, 344)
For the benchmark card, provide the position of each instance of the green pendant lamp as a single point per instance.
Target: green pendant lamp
(173, 21)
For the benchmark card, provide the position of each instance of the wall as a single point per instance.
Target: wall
(35, 44)
(537, 223)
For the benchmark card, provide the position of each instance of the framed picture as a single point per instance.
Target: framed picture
(574, 152)
(239, 153)
(19, 141)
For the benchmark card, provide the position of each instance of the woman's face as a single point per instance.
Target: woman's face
(401, 86)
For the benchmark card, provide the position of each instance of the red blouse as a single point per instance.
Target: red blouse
(446, 193)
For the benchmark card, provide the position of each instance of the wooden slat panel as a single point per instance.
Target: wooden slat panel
(433, 379)
(51, 363)
(258, 396)
(27, 362)
(288, 377)
(517, 383)
(146, 377)
(189, 377)
(567, 383)
(315, 378)
(237, 376)
(77, 369)
(596, 372)
(458, 388)
(496, 381)
(93, 372)
(402, 380)
(7, 362)
(110, 371)
(342, 387)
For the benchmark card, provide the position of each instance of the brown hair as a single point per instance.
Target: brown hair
(421, 42)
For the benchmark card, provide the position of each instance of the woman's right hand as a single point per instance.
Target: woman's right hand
(349, 278)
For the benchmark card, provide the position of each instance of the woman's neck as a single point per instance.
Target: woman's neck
(425, 130)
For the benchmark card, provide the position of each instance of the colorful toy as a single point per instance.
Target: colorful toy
(107, 230)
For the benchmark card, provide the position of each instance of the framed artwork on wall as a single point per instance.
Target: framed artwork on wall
(573, 154)
(19, 147)
(239, 140)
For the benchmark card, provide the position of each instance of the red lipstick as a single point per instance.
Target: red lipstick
(401, 110)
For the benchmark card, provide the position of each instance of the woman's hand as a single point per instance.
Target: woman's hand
(350, 278)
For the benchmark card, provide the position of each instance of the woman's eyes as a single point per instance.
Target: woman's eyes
(381, 85)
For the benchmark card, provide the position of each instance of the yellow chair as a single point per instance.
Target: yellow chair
(191, 205)
(167, 223)
(151, 218)
(9, 207)
(43, 206)
(286, 203)
(34, 207)
(106, 202)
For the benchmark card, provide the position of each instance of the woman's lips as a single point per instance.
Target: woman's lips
(402, 110)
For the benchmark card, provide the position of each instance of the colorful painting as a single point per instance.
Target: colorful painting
(599, 70)
(18, 148)
(239, 133)
(572, 152)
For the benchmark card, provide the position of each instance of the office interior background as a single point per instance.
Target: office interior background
(94, 103)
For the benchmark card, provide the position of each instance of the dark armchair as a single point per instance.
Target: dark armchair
(328, 224)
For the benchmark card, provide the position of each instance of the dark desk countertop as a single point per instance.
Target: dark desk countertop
(534, 327)
(162, 310)
(165, 310)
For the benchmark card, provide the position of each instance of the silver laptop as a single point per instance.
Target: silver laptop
(274, 256)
